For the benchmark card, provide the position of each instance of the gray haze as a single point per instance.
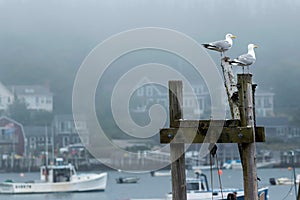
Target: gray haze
(53, 37)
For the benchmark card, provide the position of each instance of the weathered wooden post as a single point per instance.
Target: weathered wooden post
(241, 131)
(248, 150)
(177, 149)
(231, 88)
(298, 196)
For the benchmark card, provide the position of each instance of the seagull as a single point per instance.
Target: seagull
(221, 45)
(246, 59)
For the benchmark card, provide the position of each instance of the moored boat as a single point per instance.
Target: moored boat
(232, 164)
(284, 181)
(198, 188)
(57, 178)
(127, 179)
(161, 173)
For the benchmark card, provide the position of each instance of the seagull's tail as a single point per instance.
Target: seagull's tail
(211, 47)
(206, 45)
(235, 62)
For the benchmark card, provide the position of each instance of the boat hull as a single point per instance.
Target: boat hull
(80, 183)
(216, 194)
(127, 180)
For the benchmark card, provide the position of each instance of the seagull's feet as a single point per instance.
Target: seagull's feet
(226, 59)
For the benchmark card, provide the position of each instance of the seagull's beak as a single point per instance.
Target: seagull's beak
(233, 36)
(256, 46)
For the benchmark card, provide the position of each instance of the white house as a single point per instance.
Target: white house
(193, 103)
(264, 104)
(37, 97)
(6, 97)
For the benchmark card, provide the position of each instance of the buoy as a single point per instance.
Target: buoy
(220, 172)
(290, 168)
(22, 174)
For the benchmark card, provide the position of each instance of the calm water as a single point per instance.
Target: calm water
(154, 187)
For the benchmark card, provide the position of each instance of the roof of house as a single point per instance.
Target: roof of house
(63, 117)
(5, 89)
(37, 131)
(272, 121)
(30, 90)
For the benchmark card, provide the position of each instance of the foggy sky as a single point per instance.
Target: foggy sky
(57, 34)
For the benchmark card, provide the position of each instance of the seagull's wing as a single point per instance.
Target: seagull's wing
(221, 45)
(243, 60)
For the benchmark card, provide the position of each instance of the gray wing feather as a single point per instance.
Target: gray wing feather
(221, 44)
(246, 59)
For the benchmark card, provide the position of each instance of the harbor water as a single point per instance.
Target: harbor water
(150, 187)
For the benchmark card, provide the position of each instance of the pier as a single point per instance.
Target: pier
(241, 130)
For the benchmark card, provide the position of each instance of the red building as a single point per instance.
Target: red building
(12, 137)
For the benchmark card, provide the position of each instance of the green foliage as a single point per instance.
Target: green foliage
(18, 111)
(41, 118)
(296, 117)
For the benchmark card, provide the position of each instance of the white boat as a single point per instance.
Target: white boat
(197, 188)
(127, 179)
(237, 164)
(233, 164)
(266, 164)
(161, 173)
(57, 178)
(284, 181)
(204, 167)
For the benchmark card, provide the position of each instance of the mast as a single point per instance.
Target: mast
(46, 153)
(46, 146)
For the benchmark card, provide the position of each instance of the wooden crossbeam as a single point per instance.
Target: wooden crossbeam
(207, 123)
(206, 134)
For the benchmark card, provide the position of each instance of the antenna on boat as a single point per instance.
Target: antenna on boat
(46, 146)
(294, 172)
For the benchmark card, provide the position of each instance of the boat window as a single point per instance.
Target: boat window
(192, 186)
(61, 175)
(45, 171)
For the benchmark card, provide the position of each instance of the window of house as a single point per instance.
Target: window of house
(267, 102)
(32, 142)
(27, 90)
(66, 141)
(62, 127)
(191, 102)
(48, 100)
(75, 140)
(149, 91)
(81, 125)
(36, 100)
(140, 91)
(201, 103)
(258, 103)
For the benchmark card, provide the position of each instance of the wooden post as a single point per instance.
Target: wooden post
(298, 196)
(232, 93)
(231, 88)
(248, 150)
(177, 149)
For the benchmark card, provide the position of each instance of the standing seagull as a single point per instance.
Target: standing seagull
(221, 45)
(246, 59)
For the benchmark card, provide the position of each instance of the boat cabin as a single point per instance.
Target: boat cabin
(198, 184)
(57, 173)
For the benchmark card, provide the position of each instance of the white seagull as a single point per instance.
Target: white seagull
(221, 45)
(246, 59)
